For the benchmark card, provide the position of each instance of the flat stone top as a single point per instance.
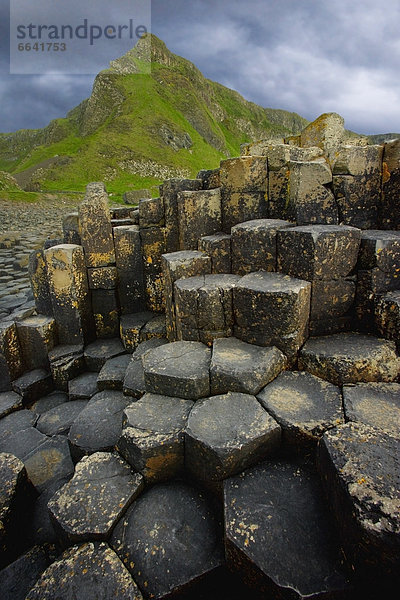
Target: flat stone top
(65, 350)
(178, 359)
(375, 404)
(105, 348)
(209, 282)
(367, 461)
(348, 346)
(378, 235)
(238, 355)
(182, 255)
(36, 321)
(161, 414)
(270, 283)
(136, 319)
(302, 397)
(325, 229)
(122, 228)
(9, 402)
(10, 471)
(229, 420)
(261, 224)
(148, 345)
(216, 237)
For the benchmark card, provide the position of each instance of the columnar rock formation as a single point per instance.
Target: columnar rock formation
(232, 343)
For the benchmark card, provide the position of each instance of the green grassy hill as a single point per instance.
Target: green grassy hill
(139, 128)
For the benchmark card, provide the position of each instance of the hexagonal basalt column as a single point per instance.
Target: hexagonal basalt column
(360, 471)
(272, 309)
(152, 439)
(92, 567)
(179, 369)
(375, 404)
(226, 434)
(387, 315)
(350, 358)
(95, 227)
(254, 245)
(199, 214)
(11, 360)
(169, 539)
(203, 307)
(305, 406)
(218, 248)
(108, 486)
(240, 367)
(279, 535)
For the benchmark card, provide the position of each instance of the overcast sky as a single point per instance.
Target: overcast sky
(307, 56)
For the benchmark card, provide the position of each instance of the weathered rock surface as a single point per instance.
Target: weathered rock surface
(20, 576)
(375, 404)
(179, 369)
(350, 358)
(113, 372)
(240, 367)
(59, 419)
(152, 440)
(204, 307)
(9, 402)
(169, 539)
(131, 326)
(92, 571)
(272, 309)
(66, 362)
(359, 466)
(99, 425)
(49, 463)
(108, 486)
(305, 406)
(279, 534)
(134, 383)
(226, 434)
(33, 384)
(98, 352)
(218, 248)
(83, 387)
(95, 227)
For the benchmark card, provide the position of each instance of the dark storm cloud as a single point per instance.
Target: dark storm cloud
(308, 56)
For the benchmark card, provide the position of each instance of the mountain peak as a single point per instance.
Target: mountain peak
(149, 49)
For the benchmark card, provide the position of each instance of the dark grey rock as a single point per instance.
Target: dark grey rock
(254, 245)
(179, 369)
(37, 336)
(70, 225)
(218, 248)
(152, 440)
(331, 300)
(154, 328)
(48, 402)
(203, 307)
(49, 463)
(305, 406)
(151, 212)
(272, 309)
(199, 214)
(134, 384)
(20, 576)
(92, 571)
(128, 257)
(180, 265)
(59, 419)
(108, 486)
(279, 534)
(105, 307)
(41, 530)
(22, 442)
(318, 251)
(9, 402)
(359, 466)
(95, 227)
(209, 178)
(226, 434)
(375, 404)
(102, 278)
(153, 245)
(98, 352)
(15, 499)
(15, 422)
(130, 327)
(112, 374)
(350, 358)
(169, 539)
(99, 425)
(169, 194)
(83, 387)
(34, 384)
(240, 367)
(39, 282)
(380, 249)
(387, 315)
(66, 362)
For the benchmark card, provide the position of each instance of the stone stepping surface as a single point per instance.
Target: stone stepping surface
(92, 569)
(271, 309)
(360, 471)
(99, 425)
(58, 420)
(9, 402)
(33, 384)
(97, 353)
(240, 367)
(108, 486)
(18, 578)
(375, 404)
(350, 358)
(305, 406)
(134, 383)
(83, 387)
(152, 440)
(113, 373)
(226, 434)
(279, 534)
(178, 369)
(169, 539)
